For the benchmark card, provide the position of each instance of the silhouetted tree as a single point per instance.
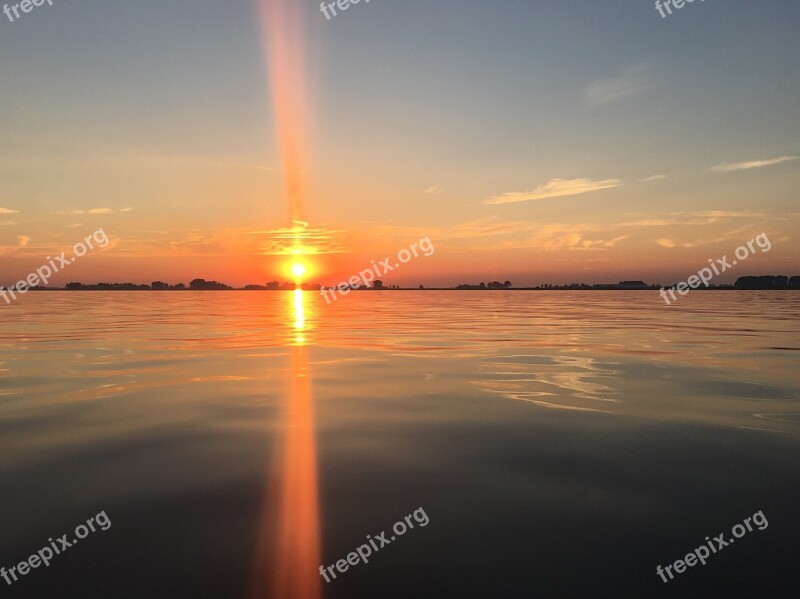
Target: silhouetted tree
(202, 284)
(764, 282)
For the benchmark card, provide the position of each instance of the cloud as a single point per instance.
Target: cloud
(735, 235)
(745, 166)
(628, 82)
(679, 229)
(6, 223)
(434, 189)
(8, 211)
(615, 241)
(555, 188)
(490, 233)
(93, 211)
(587, 245)
(700, 218)
(716, 215)
(298, 239)
(23, 240)
(653, 178)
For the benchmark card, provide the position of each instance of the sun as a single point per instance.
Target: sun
(298, 270)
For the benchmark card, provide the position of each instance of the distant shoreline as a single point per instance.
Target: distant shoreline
(91, 289)
(747, 283)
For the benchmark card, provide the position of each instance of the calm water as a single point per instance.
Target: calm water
(561, 444)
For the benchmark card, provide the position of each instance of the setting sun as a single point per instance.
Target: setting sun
(298, 269)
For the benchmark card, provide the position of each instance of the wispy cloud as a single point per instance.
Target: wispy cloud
(8, 211)
(93, 211)
(735, 235)
(745, 166)
(668, 230)
(555, 188)
(615, 241)
(699, 218)
(653, 178)
(628, 82)
(28, 247)
(6, 223)
(434, 189)
(298, 239)
(716, 215)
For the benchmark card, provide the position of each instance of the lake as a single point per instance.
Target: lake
(558, 444)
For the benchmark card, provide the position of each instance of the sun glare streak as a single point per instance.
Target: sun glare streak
(289, 554)
(284, 44)
(285, 47)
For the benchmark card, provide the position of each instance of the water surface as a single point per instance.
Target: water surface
(562, 444)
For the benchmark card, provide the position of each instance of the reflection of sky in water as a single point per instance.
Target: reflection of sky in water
(543, 381)
(542, 433)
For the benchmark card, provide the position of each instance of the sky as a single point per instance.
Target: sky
(538, 142)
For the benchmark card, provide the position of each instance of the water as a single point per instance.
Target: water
(561, 444)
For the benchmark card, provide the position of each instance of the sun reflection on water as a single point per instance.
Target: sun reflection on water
(289, 553)
(299, 316)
